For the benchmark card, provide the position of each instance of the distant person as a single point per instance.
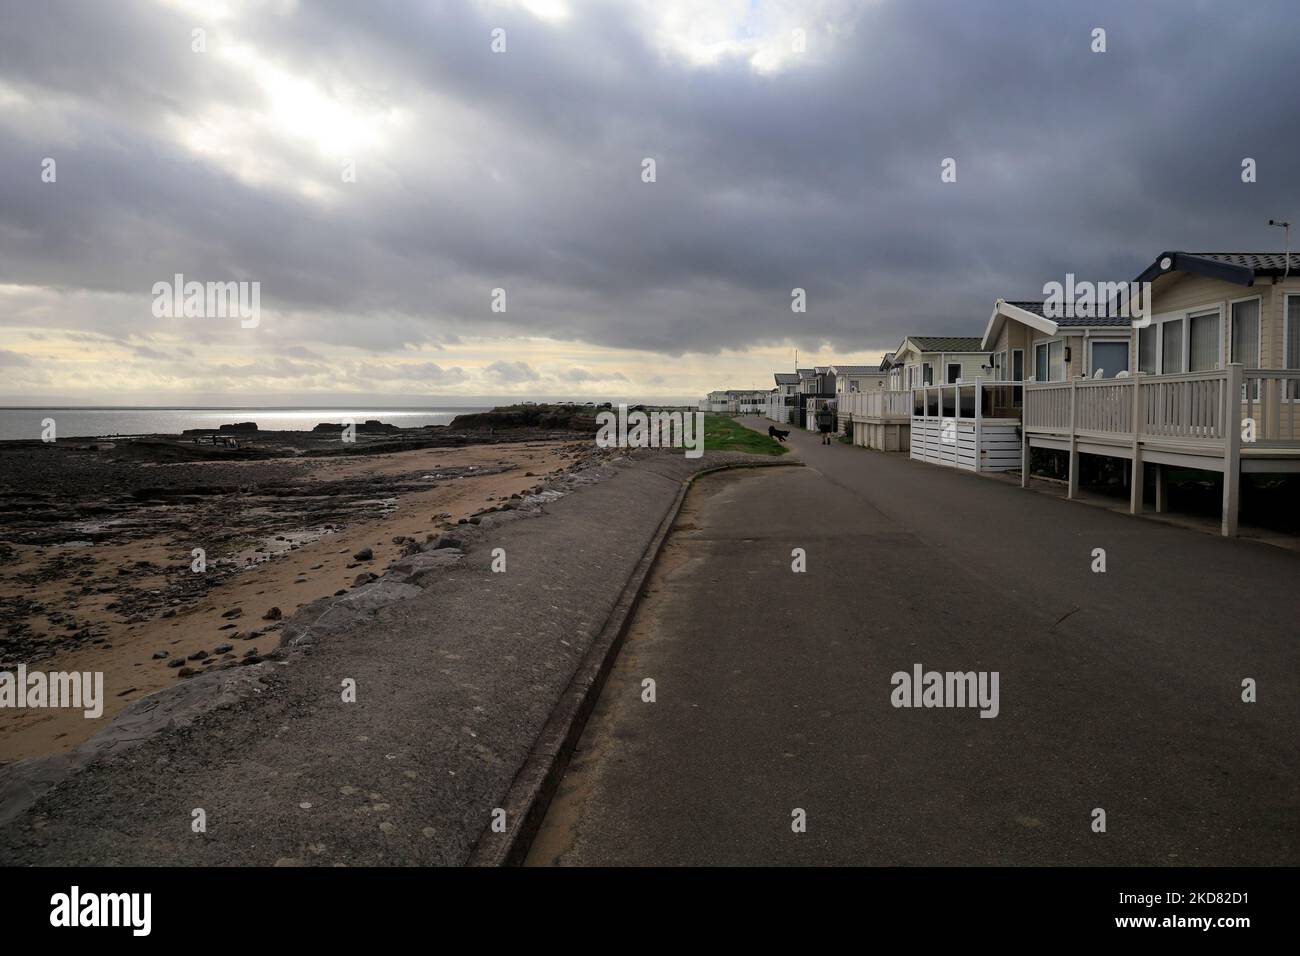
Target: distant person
(825, 422)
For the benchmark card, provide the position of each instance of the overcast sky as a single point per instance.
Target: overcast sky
(523, 170)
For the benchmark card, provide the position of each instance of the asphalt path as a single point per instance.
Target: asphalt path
(1119, 691)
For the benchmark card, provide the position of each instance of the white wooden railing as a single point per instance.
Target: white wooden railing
(1224, 414)
(880, 403)
(1190, 408)
(973, 426)
(1271, 400)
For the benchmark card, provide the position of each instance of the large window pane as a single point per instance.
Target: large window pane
(1148, 356)
(1055, 352)
(1204, 342)
(1040, 363)
(1018, 360)
(1110, 357)
(1171, 355)
(1245, 333)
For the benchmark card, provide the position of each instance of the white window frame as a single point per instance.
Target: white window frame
(1169, 319)
(1156, 330)
(1187, 332)
(1259, 338)
(1286, 338)
(1047, 343)
(1104, 340)
(947, 371)
(1158, 322)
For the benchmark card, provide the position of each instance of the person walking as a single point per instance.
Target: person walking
(825, 422)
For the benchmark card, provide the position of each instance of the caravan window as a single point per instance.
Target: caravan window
(1245, 333)
(1171, 347)
(1110, 357)
(1203, 333)
(1149, 349)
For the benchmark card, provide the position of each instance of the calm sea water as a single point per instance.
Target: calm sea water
(97, 422)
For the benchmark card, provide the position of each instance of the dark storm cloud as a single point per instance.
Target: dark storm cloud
(522, 170)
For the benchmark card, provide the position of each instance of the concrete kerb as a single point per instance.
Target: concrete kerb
(535, 784)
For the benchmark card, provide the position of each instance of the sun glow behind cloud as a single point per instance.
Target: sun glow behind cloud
(298, 132)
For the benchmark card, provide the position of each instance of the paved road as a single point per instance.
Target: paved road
(1118, 690)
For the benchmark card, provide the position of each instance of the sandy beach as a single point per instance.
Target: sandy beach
(97, 551)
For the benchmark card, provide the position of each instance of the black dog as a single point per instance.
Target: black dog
(774, 432)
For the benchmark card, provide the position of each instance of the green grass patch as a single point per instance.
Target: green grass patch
(726, 434)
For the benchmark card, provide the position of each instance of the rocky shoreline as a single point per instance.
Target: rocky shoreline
(100, 546)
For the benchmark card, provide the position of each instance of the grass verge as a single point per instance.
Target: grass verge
(722, 433)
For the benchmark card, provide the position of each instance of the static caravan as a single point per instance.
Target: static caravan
(1213, 380)
(940, 360)
(850, 382)
(783, 400)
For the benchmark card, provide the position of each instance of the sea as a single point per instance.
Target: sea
(126, 421)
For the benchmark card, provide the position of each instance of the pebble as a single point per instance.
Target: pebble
(365, 554)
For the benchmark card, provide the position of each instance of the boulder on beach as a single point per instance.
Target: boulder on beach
(369, 426)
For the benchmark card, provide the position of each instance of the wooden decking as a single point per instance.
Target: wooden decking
(879, 419)
(1231, 420)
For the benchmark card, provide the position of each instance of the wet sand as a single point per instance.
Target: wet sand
(110, 595)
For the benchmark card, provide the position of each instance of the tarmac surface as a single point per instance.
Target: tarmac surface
(1118, 690)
